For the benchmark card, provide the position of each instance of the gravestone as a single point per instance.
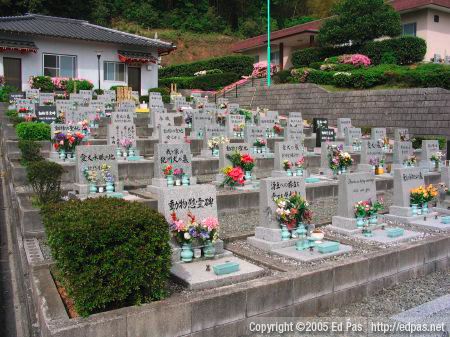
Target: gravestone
(294, 128)
(46, 98)
(46, 113)
(80, 100)
(352, 188)
(402, 151)
(32, 94)
(171, 134)
(319, 123)
(342, 125)
(211, 131)
(160, 118)
(401, 135)
(111, 94)
(267, 122)
(209, 108)
(252, 132)
(324, 135)
(56, 127)
(92, 157)
(227, 149)
(122, 126)
(294, 114)
(370, 150)
(233, 108)
(86, 93)
(64, 105)
(222, 100)
(15, 96)
(429, 147)
(98, 106)
(324, 156)
(273, 115)
(234, 125)
(200, 120)
(378, 133)
(289, 150)
(352, 135)
(176, 155)
(25, 103)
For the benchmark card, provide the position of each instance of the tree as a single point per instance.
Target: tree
(359, 21)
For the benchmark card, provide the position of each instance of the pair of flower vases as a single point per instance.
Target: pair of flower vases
(187, 253)
(125, 153)
(416, 210)
(63, 155)
(109, 188)
(361, 222)
(297, 173)
(171, 181)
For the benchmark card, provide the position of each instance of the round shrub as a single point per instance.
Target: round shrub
(33, 131)
(80, 85)
(304, 57)
(45, 179)
(109, 252)
(44, 83)
(405, 49)
(30, 150)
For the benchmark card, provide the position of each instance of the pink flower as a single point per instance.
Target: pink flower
(210, 223)
(179, 225)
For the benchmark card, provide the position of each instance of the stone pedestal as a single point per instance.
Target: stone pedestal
(365, 168)
(159, 184)
(83, 189)
(347, 226)
(308, 255)
(404, 215)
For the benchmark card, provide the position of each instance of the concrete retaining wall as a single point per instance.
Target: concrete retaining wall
(424, 111)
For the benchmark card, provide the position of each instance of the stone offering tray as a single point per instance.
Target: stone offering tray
(381, 236)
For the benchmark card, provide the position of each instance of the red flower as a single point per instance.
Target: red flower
(237, 174)
(246, 158)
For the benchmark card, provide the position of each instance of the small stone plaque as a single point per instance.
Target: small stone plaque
(233, 121)
(15, 96)
(297, 115)
(119, 131)
(171, 134)
(64, 128)
(354, 187)
(271, 188)
(46, 113)
(429, 147)
(378, 133)
(371, 150)
(324, 135)
(290, 150)
(200, 120)
(33, 94)
(402, 151)
(177, 155)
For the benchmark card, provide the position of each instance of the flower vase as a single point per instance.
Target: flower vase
(248, 175)
(299, 172)
(373, 220)
(118, 153)
(185, 180)
(301, 230)
(285, 234)
(209, 251)
(62, 154)
(125, 154)
(360, 222)
(131, 152)
(289, 172)
(367, 232)
(186, 252)
(170, 181)
(200, 135)
(92, 188)
(414, 209)
(71, 156)
(343, 169)
(109, 187)
(263, 149)
(425, 208)
(215, 152)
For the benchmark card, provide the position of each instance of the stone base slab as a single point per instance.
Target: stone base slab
(408, 219)
(270, 246)
(365, 168)
(307, 255)
(83, 189)
(159, 183)
(432, 223)
(347, 226)
(441, 210)
(195, 276)
(218, 245)
(381, 236)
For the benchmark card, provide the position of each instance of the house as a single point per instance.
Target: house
(428, 19)
(35, 44)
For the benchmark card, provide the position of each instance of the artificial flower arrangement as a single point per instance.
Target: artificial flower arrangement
(47, 102)
(167, 170)
(259, 145)
(300, 162)
(338, 160)
(242, 160)
(423, 194)
(84, 127)
(24, 111)
(366, 213)
(233, 176)
(125, 148)
(377, 164)
(292, 211)
(214, 142)
(437, 158)
(410, 161)
(277, 128)
(247, 114)
(287, 165)
(30, 118)
(175, 176)
(238, 130)
(204, 232)
(65, 143)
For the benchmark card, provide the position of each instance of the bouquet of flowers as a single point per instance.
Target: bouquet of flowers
(24, 111)
(300, 162)
(214, 142)
(377, 162)
(187, 232)
(90, 175)
(410, 161)
(125, 143)
(233, 176)
(106, 174)
(260, 142)
(48, 102)
(337, 158)
(287, 165)
(238, 127)
(244, 161)
(67, 141)
(168, 170)
(292, 210)
(375, 207)
(422, 194)
(437, 157)
(277, 129)
(29, 118)
(247, 114)
(178, 173)
(362, 209)
(208, 229)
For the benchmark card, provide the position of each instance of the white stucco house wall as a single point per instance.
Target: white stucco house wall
(59, 47)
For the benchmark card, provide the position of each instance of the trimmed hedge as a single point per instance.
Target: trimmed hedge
(109, 252)
(44, 83)
(205, 82)
(81, 85)
(33, 131)
(403, 50)
(5, 90)
(417, 141)
(45, 179)
(241, 65)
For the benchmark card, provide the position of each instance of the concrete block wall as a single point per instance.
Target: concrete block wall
(424, 111)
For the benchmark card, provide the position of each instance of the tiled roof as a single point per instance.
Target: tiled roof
(403, 5)
(34, 24)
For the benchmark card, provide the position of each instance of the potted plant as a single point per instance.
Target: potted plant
(168, 173)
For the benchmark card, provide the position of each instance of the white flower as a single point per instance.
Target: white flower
(187, 236)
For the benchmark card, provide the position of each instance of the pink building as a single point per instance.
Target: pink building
(428, 19)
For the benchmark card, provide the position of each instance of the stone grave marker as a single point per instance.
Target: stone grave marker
(122, 126)
(402, 151)
(324, 135)
(429, 147)
(46, 113)
(46, 98)
(80, 99)
(378, 133)
(406, 179)
(233, 108)
(232, 122)
(25, 103)
(324, 153)
(267, 122)
(294, 128)
(127, 104)
(177, 155)
(226, 149)
(354, 187)
(319, 123)
(171, 134)
(86, 93)
(160, 118)
(351, 135)
(111, 94)
(14, 96)
(294, 114)
(135, 95)
(289, 150)
(401, 135)
(32, 94)
(210, 108)
(200, 120)
(371, 150)
(272, 114)
(252, 132)
(342, 125)
(57, 127)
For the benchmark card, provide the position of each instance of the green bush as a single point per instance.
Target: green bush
(30, 150)
(428, 76)
(417, 141)
(5, 91)
(282, 76)
(45, 179)
(44, 83)
(305, 57)
(109, 252)
(165, 93)
(320, 77)
(405, 50)
(14, 118)
(242, 65)
(80, 85)
(388, 58)
(33, 131)
(206, 82)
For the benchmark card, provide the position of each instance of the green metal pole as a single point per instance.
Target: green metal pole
(268, 43)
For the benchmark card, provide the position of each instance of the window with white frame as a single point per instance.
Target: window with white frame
(59, 65)
(114, 71)
(410, 29)
(275, 57)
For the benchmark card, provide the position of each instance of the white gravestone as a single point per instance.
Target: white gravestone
(401, 135)
(227, 149)
(351, 135)
(294, 129)
(253, 132)
(234, 122)
(46, 98)
(429, 147)
(291, 151)
(378, 133)
(342, 125)
(32, 94)
(402, 151)
(371, 150)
